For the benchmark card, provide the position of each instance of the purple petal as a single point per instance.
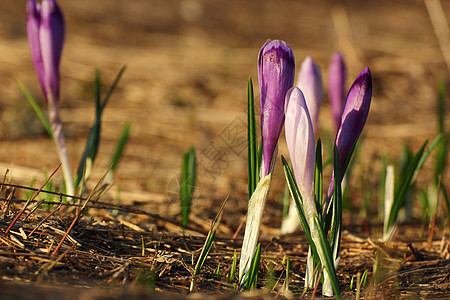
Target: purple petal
(310, 82)
(301, 143)
(33, 25)
(51, 36)
(354, 116)
(336, 86)
(276, 67)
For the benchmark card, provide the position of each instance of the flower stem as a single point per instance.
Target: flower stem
(58, 138)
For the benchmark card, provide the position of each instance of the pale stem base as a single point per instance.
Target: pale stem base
(292, 221)
(256, 206)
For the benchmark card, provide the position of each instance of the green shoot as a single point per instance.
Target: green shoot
(252, 142)
(250, 280)
(124, 136)
(234, 266)
(318, 177)
(296, 196)
(326, 258)
(412, 168)
(288, 273)
(188, 174)
(217, 273)
(202, 258)
(93, 140)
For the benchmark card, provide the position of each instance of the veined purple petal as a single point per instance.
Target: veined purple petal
(354, 116)
(276, 67)
(310, 82)
(336, 85)
(33, 25)
(51, 35)
(301, 144)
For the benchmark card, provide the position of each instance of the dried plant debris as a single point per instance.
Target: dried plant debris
(133, 254)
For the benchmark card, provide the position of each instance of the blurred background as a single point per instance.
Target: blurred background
(188, 63)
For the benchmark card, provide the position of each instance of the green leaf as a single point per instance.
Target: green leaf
(336, 220)
(288, 273)
(442, 148)
(124, 135)
(203, 255)
(205, 251)
(296, 196)
(93, 140)
(188, 175)
(318, 178)
(234, 266)
(326, 258)
(252, 142)
(412, 168)
(250, 280)
(37, 109)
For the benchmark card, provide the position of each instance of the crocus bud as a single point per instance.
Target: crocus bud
(310, 82)
(354, 116)
(301, 145)
(46, 30)
(276, 67)
(336, 85)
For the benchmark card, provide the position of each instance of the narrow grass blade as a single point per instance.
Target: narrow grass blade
(252, 142)
(250, 280)
(336, 220)
(37, 109)
(202, 258)
(442, 149)
(124, 136)
(288, 273)
(205, 251)
(296, 196)
(326, 259)
(409, 175)
(93, 140)
(318, 178)
(234, 266)
(188, 175)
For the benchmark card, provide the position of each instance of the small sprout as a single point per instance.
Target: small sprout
(188, 174)
(217, 273)
(233, 267)
(202, 258)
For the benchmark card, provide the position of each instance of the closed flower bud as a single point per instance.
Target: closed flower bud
(46, 30)
(276, 67)
(310, 82)
(336, 84)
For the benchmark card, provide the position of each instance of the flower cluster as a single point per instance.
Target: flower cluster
(298, 109)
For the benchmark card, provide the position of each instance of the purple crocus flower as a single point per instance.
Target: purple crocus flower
(301, 145)
(46, 30)
(336, 84)
(310, 82)
(276, 67)
(354, 116)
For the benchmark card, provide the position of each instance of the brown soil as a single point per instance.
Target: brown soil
(187, 68)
